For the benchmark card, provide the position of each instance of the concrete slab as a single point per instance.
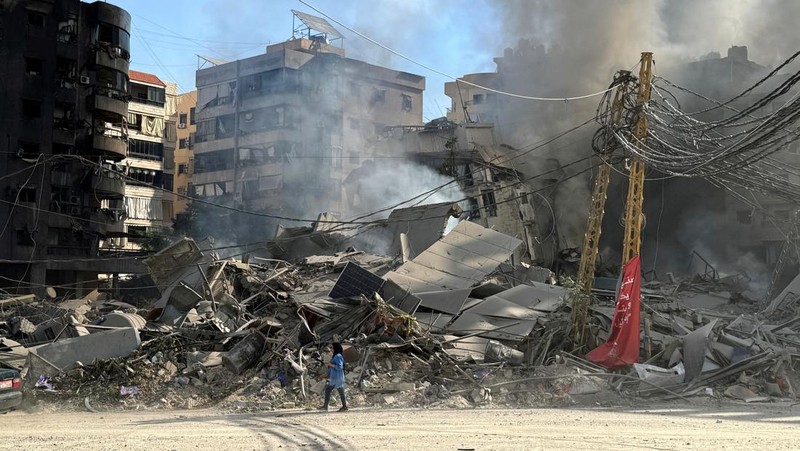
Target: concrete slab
(537, 296)
(423, 225)
(447, 301)
(433, 321)
(501, 308)
(459, 260)
(88, 348)
(469, 323)
(703, 300)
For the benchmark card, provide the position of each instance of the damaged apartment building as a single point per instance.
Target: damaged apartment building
(65, 79)
(280, 131)
(551, 202)
(533, 70)
(149, 165)
(495, 197)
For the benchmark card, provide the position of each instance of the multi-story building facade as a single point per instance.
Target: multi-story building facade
(149, 164)
(281, 131)
(63, 104)
(184, 150)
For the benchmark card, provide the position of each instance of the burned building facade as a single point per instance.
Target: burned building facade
(64, 101)
(279, 132)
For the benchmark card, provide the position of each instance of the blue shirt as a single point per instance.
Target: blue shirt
(336, 373)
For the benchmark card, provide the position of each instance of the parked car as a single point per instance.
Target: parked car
(10, 389)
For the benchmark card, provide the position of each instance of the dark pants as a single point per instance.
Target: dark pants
(329, 390)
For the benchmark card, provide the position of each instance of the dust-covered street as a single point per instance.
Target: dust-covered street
(765, 426)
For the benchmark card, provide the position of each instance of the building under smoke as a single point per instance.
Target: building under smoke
(683, 215)
(280, 132)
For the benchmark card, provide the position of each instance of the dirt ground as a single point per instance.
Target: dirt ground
(764, 426)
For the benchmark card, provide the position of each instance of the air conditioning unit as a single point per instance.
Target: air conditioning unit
(181, 125)
(74, 199)
(85, 79)
(75, 211)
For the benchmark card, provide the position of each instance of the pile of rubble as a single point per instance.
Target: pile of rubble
(445, 328)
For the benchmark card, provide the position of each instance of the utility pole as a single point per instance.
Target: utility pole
(594, 222)
(633, 209)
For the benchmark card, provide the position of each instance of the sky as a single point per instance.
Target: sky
(451, 36)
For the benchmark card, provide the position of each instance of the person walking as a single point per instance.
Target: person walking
(335, 377)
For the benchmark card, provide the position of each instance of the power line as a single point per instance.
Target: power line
(173, 35)
(155, 57)
(436, 71)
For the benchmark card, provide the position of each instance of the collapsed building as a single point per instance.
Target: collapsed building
(453, 325)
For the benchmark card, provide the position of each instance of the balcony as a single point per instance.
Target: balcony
(115, 148)
(109, 107)
(108, 187)
(108, 221)
(257, 138)
(104, 57)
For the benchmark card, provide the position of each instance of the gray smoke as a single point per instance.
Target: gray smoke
(573, 47)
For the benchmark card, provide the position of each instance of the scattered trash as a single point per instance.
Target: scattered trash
(128, 391)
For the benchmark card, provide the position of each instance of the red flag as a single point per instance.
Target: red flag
(622, 347)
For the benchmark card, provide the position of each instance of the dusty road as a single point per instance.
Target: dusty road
(772, 427)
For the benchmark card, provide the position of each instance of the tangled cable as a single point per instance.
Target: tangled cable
(733, 148)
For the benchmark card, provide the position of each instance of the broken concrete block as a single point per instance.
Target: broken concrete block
(318, 388)
(389, 400)
(170, 368)
(479, 395)
(583, 386)
(97, 346)
(774, 389)
(744, 393)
